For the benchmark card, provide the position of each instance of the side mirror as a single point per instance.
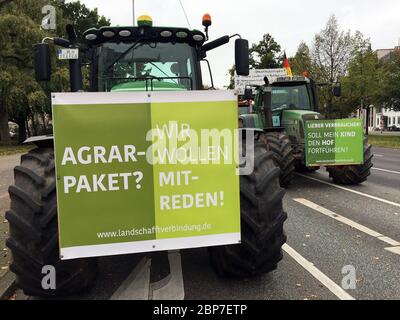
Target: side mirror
(248, 93)
(242, 57)
(337, 90)
(42, 62)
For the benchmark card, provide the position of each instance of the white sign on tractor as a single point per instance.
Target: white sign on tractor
(256, 77)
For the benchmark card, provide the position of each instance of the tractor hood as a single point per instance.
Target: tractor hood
(301, 113)
(147, 86)
(296, 117)
(294, 123)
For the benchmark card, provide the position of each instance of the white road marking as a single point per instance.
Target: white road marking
(317, 274)
(137, 285)
(348, 222)
(378, 155)
(350, 190)
(384, 170)
(395, 250)
(174, 288)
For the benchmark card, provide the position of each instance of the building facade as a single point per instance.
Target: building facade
(388, 119)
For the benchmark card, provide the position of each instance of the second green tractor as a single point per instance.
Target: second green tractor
(281, 109)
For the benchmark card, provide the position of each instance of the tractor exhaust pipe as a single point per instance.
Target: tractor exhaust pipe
(75, 70)
(267, 104)
(75, 75)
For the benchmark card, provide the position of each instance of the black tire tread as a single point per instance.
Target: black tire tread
(279, 144)
(262, 219)
(34, 230)
(353, 174)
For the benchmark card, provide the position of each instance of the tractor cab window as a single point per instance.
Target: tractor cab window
(291, 97)
(146, 67)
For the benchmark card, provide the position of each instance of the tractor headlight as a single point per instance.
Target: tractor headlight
(108, 34)
(181, 34)
(125, 33)
(166, 34)
(91, 36)
(198, 37)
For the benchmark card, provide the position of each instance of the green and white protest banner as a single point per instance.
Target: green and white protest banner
(142, 172)
(334, 142)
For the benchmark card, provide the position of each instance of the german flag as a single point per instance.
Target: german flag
(286, 65)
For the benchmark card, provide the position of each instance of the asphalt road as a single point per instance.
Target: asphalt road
(329, 228)
(328, 244)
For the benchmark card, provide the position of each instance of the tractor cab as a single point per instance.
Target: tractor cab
(293, 93)
(139, 58)
(144, 58)
(293, 100)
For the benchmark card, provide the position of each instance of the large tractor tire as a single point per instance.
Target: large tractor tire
(34, 231)
(356, 174)
(262, 219)
(279, 144)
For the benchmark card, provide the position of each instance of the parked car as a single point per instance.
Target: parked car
(394, 128)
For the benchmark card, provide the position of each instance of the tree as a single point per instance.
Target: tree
(302, 60)
(16, 65)
(22, 99)
(80, 16)
(360, 85)
(231, 73)
(389, 82)
(331, 55)
(266, 54)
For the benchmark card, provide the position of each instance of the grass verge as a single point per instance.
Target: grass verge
(6, 150)
(384, 141)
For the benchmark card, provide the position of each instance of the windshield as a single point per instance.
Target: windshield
(291, 97)
(145, 67)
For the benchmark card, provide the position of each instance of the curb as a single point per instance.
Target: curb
(7, 285)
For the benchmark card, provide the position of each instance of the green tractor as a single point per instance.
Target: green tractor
(281, 110)
(140, 58)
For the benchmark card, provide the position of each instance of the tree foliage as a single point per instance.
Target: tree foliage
(301, 62)
(388, 83)
(332, 51)
(266, 54)
(337, 57)
(77, 14)
(22, 99)
(331, 55)
(360, 83)
(16, 65)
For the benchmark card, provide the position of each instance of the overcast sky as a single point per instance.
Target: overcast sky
(289, 21)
